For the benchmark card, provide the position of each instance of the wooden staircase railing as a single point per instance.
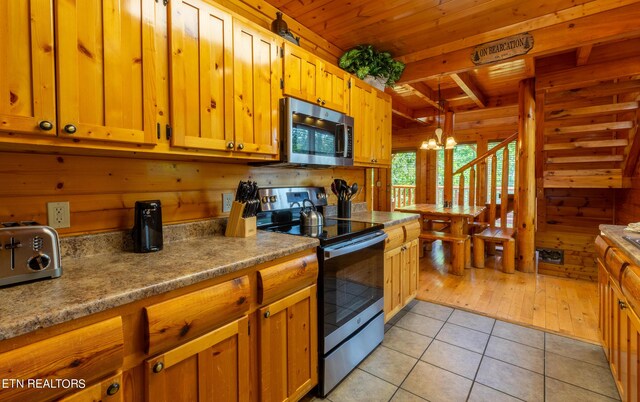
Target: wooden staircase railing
(477, 182)
(403, 195)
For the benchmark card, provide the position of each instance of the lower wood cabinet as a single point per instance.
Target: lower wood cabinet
(401, 267)
(212, 367)
(618, 324)
(107, 390)
(288, 346)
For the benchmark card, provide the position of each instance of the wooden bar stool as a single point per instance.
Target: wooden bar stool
(495, 235)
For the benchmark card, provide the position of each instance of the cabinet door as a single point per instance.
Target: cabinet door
(362, 102)
(107, 390)
(289, 346)
(634, 358)
(333, 87)
(393, 262)
(213, 367)
(603, 310)
(256, 89)
(106, 70)
(301, 70)
(412, 271)
(27, 71)
(382, 137)
(618, 335)
(201, 75)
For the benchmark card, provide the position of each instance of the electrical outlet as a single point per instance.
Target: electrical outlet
(58, 214)
(227, 201)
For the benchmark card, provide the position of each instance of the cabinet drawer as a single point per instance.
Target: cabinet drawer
(615, 263)
(174, 321)
(395, 239)
(630, 285)
(87, 353)
(602, 246)
(282, 279)
(412, 231)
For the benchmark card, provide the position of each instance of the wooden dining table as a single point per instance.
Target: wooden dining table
(458, 218)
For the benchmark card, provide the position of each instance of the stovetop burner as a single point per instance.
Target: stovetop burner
(332, 231)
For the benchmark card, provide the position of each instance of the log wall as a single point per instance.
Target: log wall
(102, 191)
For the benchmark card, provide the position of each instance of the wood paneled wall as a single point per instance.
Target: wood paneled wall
(102, 191)
(628, 201)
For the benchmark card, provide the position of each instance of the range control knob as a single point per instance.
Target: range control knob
(265, 199)
(273, 198)
(39, 262)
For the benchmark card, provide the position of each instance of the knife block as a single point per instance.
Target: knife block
(237, 226)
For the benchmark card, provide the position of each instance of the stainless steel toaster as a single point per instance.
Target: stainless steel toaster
(28, 251)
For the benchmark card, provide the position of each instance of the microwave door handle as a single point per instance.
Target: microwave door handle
(343, 150)
(329, 254)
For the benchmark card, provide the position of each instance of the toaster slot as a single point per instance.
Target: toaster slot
(11, 247)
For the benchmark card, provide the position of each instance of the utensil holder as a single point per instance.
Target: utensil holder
(344, 209)
(237, 226)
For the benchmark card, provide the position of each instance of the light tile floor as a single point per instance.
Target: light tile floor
(437, 353)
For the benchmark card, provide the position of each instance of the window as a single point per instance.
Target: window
(403, 178)
(462, 154)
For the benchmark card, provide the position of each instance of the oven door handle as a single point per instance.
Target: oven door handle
(370, 241)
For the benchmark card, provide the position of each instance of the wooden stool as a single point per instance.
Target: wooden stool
(495, 235)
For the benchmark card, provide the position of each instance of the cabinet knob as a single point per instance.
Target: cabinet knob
(240, 146)
(158, 367)
(267, 314)
(230, 144)
(45, 125)
(113, 389)
(70, 129)
(622, 304)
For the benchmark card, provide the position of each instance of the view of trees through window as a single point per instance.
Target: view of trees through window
(462, 154)
(403, 169)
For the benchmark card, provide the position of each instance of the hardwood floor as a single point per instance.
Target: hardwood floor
(565, 306)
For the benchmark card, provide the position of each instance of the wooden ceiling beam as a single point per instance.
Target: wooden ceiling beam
(422, 91)
(582, 54)
(468, 85)
(405, 112)
(543, 21)
(619, 23)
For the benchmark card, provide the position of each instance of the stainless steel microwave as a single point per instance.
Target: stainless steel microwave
(312, 135)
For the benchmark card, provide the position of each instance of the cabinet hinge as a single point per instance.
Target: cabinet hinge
(349, 84)
(164, 2)
(282, 51)
(249, 326)
(169, 132)
(281, 83)
(158, 130)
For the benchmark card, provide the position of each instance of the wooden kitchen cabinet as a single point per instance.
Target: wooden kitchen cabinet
(107, 390)
(401, 267)
(27, 70)
(106, 70)
(201, 84)
(288, 346)
(371, 111)
(225, 77)
(310, 78)
(214, 366)
(257, 71)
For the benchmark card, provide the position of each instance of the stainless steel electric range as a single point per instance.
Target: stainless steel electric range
(350, 286)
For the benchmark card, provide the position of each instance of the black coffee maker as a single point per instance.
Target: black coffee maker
(147, 228)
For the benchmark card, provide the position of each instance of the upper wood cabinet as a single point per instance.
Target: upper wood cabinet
(257, 70)
(225, 78)
(201, 63)
(312, 79)
(106, 70)
(27, 70)
(371, 111)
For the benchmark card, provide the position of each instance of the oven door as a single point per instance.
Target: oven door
(351, 291)
(317, 136)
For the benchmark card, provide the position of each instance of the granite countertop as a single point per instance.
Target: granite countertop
(615, 233)
(94, 283)
(388, 219)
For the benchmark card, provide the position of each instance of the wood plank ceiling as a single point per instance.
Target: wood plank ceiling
(436, 38)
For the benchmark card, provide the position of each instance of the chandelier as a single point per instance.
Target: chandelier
(436, 143)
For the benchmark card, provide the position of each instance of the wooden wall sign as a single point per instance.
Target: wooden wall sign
(502, 49)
